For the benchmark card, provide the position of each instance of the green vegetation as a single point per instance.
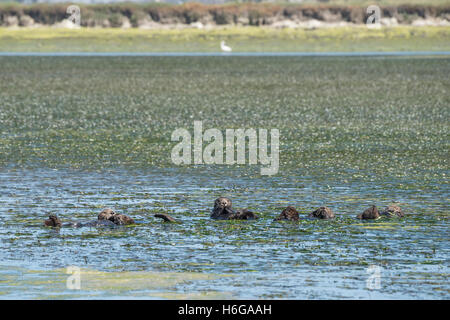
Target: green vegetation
(384, 115)
(52, 284)
(241, 39)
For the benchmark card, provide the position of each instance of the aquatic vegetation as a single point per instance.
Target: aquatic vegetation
(241, 39)
(51, 284)
(80, 134)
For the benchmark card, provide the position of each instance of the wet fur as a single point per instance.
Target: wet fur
(290, 214)
(53, 221)
(393, 211)
(322, 213)
(222, 211)
(107, 217)
(370, 213)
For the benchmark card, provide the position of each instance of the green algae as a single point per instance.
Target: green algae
(241, 39)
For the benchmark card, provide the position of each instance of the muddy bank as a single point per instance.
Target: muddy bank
(200, 15)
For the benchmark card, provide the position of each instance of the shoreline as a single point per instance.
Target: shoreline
(241, 39)
(196, 15)
(235, 54)
(310, 24)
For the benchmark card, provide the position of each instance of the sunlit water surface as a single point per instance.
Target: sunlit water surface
(200, 258)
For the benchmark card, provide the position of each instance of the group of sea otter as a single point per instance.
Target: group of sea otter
(222, 211)
(107, 217)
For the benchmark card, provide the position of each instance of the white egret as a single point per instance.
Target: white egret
(224, 47)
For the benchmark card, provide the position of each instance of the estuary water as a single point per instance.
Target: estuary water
(229, 54)
(80, 133)
(200, 258)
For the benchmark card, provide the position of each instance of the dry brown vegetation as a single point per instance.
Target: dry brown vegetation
(115, 15)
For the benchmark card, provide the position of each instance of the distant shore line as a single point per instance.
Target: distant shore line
(240, 39)
(195, 15)
(221, 54)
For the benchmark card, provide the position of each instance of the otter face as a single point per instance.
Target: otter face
(106, 214)
(222, 206)
(222, 203)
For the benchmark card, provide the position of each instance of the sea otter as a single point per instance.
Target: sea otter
(393, 211)
(53, 221)
(117, 218)
(370, 213)
(222, 208)
(290, 213)
(222, 211)
(106, 214)
(322, 213)
(121, 219)
(107, 217)
(243, 214)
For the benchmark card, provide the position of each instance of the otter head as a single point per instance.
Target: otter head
(122, 219)
(106, 214)
(290, 213)
(370, 213)
(222, 206)
(322, 213)
(393, 211)
(222, 203)
(52, 221)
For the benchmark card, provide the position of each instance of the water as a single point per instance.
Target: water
(228, 54)
(81, 133)
(199, 258)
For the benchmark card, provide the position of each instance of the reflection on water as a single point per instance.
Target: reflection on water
(200, 258)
